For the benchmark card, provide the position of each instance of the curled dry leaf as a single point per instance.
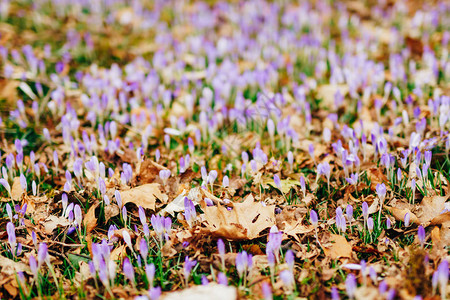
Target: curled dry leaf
(111, 211)
(89, 220)
(244, 222)
(144, 195)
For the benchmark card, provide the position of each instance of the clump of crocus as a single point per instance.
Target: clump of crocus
(189, 212)
(162, 227)
(274, 242)
(440, 277)
(164, 175)
(244, 263)
(15, 247)
(187, 268)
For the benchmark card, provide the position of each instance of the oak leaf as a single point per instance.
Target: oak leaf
(245, 221)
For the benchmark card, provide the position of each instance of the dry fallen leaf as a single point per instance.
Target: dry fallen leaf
(206, 292)
(111, 211)
(327, 91)
(244, 222)
(431, 207)
(89, 220)
(337, 247)
(10, 267)
(286, 185)
(144, 195)
(52, 222)
(16, 189)
(399, 214)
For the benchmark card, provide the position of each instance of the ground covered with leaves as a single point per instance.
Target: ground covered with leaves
(224, 149)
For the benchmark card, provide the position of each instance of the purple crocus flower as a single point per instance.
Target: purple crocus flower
(221, 249)
(303, 185)
(277, 181)
(442, 277)
(222, 279)
(314, 219)
(407, 219)
(290, 260)
(188, 265)
(118, 198)
(266, 291)
(381, 193)
(154, 293)
(421, 235)
(350, 285)
(334, 293)
(162, 227)
(143, 249)
(127, 239)
(189, 212)
(324, 169)
(42, 254)
(128, 270)
(11, 230)
(150, 273)
(243, 263)
(288, 279)
(6, 185)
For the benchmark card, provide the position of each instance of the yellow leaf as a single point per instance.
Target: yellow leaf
(286, 185)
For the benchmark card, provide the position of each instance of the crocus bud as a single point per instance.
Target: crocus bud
(350, 285)
(406, 219)
(314, 219)
(77, 214)
(421, 235)
(277, 181)
(370, 224)
(128, 270)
